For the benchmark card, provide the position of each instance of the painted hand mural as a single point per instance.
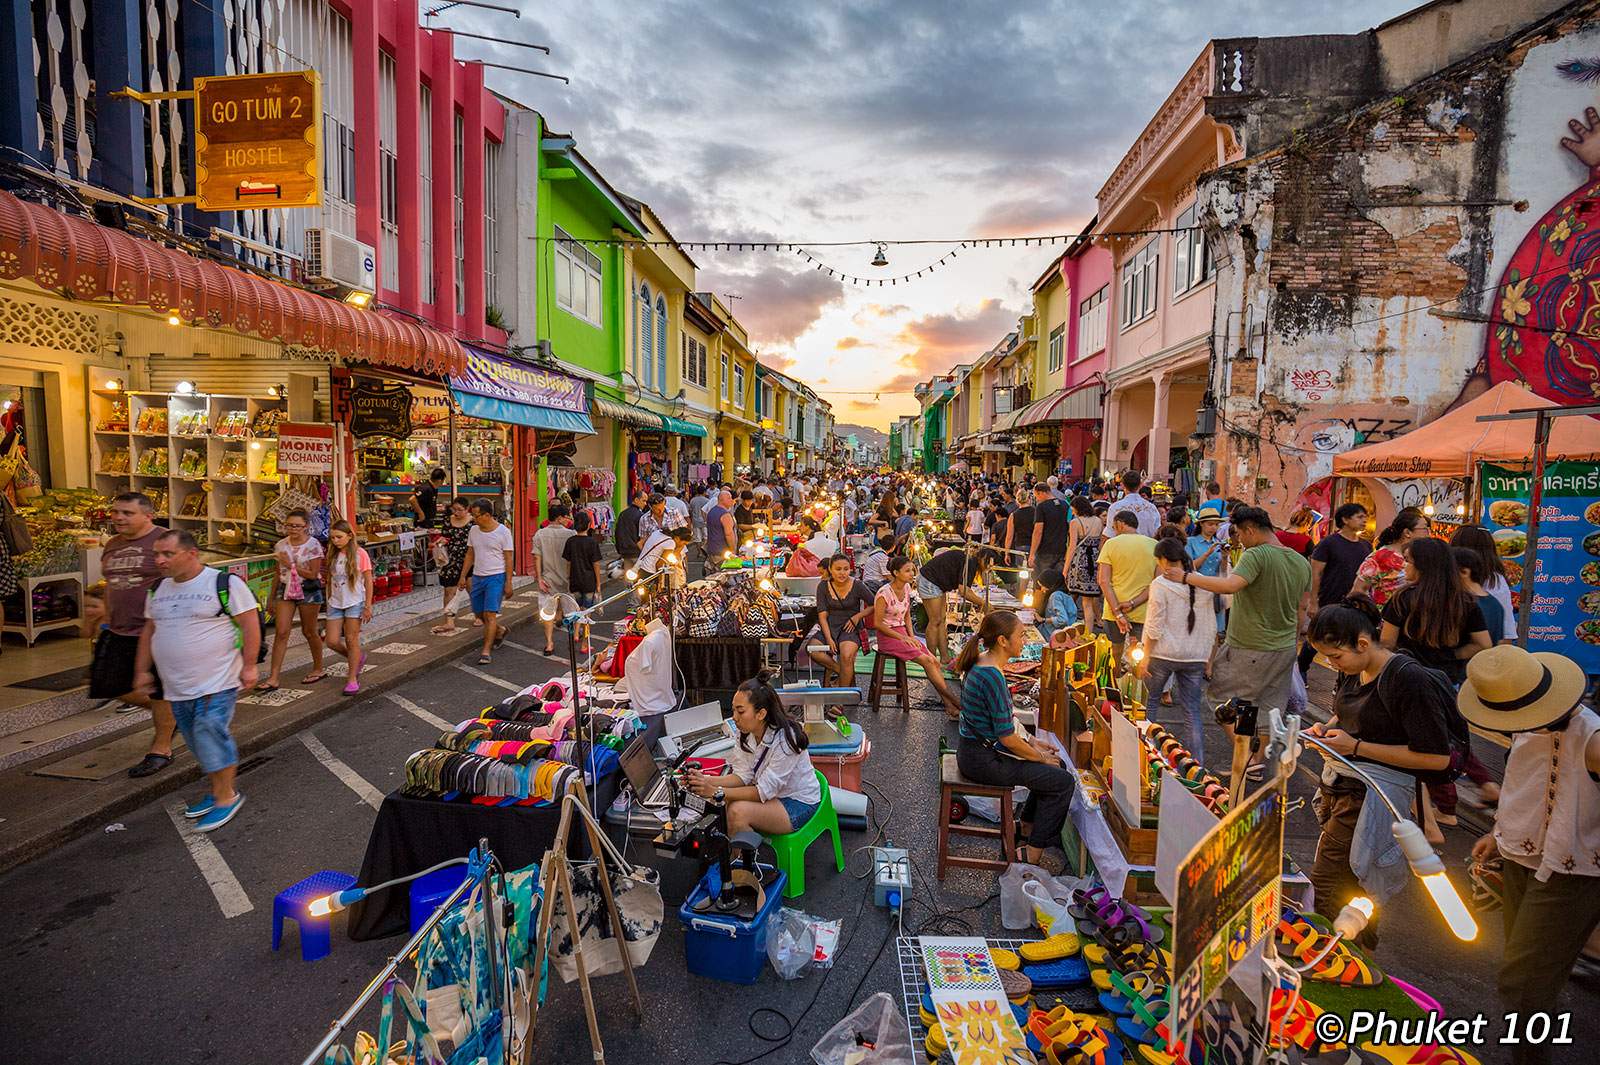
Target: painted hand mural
(1545, 321)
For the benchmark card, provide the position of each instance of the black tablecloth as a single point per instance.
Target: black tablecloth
(718, 662)
(412, 834)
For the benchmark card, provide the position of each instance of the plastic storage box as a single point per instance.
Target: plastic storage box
(724, 947)
(843, 770)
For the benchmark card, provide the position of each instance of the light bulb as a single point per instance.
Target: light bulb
(1137, 654)
(1429, 868)
(670, 558)
(1461, 508)
(726, 555)
(174, 319)
(632, 574)
(1027, 598)
(1427, 508)
(114, 384)
(1354, 917)
(1023, 573)
(766, 584)
(255, 445)
(321, 907)
(184, 388)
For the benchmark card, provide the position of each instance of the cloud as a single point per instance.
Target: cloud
(1026, 217)
(776, 302)
(778, 361)
(846, 343)
(940, 341)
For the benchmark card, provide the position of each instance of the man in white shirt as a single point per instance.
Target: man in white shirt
(202, 632)
(1147, 513)
(663, 549)
(488, 566)
(551, 572)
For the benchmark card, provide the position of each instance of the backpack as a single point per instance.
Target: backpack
(222, 611)
(1454, 723)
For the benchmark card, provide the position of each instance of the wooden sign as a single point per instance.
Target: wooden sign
(258, 141)
(379, 409)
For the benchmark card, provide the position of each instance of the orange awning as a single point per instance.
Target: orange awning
(1453, 444)
(92, 262)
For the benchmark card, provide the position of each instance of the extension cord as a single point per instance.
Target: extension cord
(891, 877)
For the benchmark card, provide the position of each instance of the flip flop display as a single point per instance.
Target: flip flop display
(1063, 972)
(1004, 959)
(1060, 945)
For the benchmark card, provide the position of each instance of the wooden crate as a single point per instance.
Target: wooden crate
(1138, 844)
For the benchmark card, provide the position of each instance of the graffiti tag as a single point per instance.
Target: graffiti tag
(1314, 383)
(1342, 434)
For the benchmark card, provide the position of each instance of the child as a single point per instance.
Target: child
(1058, 610)
(582, 552)
(349, 599)
(1178, 636)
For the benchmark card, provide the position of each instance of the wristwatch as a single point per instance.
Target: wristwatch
(719, 795)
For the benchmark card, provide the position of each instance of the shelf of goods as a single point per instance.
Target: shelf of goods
(50, 602)
(209, 463)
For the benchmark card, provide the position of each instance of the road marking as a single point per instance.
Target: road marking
(537, 652)
(224, 885)
(352, 780)
(412, 708)
(481, 675)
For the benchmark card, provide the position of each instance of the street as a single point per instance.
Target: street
(164, 937)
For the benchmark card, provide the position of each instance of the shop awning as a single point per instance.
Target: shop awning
(502, 389)
(627, 412)
(91, 262)
(1080, 402)
(683, 428)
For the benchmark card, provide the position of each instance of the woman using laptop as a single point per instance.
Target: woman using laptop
(772, 787)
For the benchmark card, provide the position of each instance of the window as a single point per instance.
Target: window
(644, 359)
(1058, 347)
(459, 213)
(724, 385)
(578, 276)
(425, 222)
(388, 191)
(1092, 323)
(1139, 284)
(491, 228)
(694, 361)
(738, 387)
(1191, 257)
(661, 343)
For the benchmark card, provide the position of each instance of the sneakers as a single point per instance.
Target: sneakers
(200, 809)
(219, 816)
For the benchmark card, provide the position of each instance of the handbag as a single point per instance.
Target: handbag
(14, 527)
(637, 891)
(1083, 576)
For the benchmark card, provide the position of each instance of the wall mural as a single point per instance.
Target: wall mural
(1545, 324)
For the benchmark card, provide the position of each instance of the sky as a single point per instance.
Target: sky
(827, 122)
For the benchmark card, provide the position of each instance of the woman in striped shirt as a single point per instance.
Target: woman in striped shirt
(993, 751)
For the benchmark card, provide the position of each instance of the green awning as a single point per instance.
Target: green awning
(627, 412)
(683, 428)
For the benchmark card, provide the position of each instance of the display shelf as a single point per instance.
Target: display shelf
(30, 627)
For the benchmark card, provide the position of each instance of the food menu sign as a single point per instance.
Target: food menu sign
(1566, 587)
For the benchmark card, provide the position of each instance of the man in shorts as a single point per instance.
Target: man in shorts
(129, 566)
(204, 642)
(552, 573)
(486, 571)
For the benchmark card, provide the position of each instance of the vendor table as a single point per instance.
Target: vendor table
(411, 834)
(716, 664)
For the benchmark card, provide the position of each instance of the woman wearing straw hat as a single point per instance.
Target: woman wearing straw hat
(1548, 825)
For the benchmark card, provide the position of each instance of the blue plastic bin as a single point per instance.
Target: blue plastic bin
(724, 947)
(429, 892)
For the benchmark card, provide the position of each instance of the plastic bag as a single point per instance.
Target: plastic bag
(1016, 908)
(1050, 896)
(873, 1034)
(791, 943)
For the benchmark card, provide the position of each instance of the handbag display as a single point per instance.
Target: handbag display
(637, 891)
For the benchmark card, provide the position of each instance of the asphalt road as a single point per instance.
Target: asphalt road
(118, 949)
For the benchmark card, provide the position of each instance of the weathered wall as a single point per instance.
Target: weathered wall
(1361, 260)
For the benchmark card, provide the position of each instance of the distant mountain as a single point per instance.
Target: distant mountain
(865, 434)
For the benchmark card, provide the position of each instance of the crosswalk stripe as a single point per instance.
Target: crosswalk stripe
(225, 886)
(412, 708)
(481, 675)
(352, 780)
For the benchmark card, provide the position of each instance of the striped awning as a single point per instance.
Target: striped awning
(1080, 402)
(627, 412)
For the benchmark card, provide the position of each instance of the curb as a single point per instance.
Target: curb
(266, 731)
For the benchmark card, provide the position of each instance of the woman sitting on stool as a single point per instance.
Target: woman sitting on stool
(992, 751)
(772, 788)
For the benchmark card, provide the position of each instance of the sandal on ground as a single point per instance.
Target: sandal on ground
(150, 763)
(264, 686)
(484, 660)
(314, 676)
(444, 630)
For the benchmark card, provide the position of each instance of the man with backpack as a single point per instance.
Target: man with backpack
(202, 632)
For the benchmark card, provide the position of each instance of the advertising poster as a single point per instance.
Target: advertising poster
(1228, 897)
(1566, 588)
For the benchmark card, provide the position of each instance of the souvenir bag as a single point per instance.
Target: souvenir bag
(26, 483)
(637, 892)
(1083, 577)
(701, 605)
(14, 528)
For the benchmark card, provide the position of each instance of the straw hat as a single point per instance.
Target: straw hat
(1510, 690)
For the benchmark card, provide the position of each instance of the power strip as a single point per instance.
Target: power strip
(891, 877)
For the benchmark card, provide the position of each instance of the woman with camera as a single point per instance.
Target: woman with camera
(771, 787)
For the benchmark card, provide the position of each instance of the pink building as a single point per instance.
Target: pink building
(1086, 268)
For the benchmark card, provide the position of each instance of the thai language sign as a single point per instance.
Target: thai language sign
(1228, 893)
(496, 377)
(258, 141)
(1565, 607)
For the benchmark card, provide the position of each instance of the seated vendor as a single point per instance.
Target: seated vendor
(993, 751)
(772, 788)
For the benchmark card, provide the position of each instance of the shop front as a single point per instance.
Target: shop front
(688, 465)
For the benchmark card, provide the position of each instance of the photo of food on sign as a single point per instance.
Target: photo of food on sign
(1509, 512)
(1591, 543)
(1589, 602)
(1514, 573)
(1510, 543)
(1591, 514)
(1588, 632)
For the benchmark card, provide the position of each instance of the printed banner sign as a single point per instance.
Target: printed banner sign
(970, 1002)
(379, 409)
(1566, 588)
(496, 377)
(304, 448)
(1228, 898)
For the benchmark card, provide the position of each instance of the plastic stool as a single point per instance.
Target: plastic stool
(429, 891)
(791, 847)
(291, 902)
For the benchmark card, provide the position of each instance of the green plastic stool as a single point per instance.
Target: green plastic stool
(791, 848)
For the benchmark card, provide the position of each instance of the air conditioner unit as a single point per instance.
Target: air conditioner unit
(333, 258)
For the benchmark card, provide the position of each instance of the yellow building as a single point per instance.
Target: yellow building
(733, 388)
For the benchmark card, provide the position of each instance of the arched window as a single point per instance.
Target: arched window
(661, 343)
(644, 338)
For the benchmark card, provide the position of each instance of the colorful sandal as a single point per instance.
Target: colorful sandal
(1062, 972)
(1061, 945)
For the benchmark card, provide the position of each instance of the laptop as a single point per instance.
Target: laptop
(696, 728)
(644, 775)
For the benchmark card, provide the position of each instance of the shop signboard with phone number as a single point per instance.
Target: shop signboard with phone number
(1566, 589)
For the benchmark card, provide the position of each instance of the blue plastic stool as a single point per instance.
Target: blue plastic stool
(290, 904)
(429, 891)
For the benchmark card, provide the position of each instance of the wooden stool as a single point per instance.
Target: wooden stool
(951, 784)
(899, 687)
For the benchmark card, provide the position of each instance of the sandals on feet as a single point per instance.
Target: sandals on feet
(313, 676)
